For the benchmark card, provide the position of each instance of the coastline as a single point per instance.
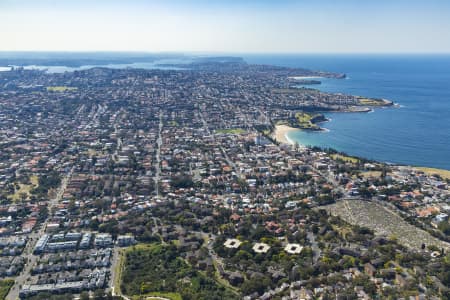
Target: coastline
(305, 77)
(280, 134)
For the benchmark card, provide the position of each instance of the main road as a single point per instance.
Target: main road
(225, 155)
(32, 239)
(159, 142)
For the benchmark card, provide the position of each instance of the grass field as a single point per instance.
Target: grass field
(25, 189)
(159, 295)
(174, 123)
(118, 271)
(231, 131)
(432, 171)
(371, 174)
(60, 88)
(5, 286)
(344, 158)
(370, 102)
(304, 121)
(282, 122)
(93, 152)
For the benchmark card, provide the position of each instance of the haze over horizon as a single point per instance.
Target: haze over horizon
(284, 26)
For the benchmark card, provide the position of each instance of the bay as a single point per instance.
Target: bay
(416, 133)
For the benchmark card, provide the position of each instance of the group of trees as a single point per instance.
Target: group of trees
(159, 268)
(183, 181)
(5, 286)
(46, 182)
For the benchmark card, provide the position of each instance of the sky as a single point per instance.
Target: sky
(233, 26)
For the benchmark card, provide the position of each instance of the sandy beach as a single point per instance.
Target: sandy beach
(280, 133)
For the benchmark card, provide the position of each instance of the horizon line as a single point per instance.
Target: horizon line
(226, 52)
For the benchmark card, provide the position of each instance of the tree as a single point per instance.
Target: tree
(84, 296)
(445, 227)
(23, 196)
(99, 294)
(183, 181)
(256, 284)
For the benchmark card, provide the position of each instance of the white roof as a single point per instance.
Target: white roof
(261, 248)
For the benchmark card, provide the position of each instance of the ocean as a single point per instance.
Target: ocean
(417, 133)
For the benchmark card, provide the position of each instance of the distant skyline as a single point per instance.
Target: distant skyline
(233, 26)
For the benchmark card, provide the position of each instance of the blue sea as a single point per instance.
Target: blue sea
(416, 133)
